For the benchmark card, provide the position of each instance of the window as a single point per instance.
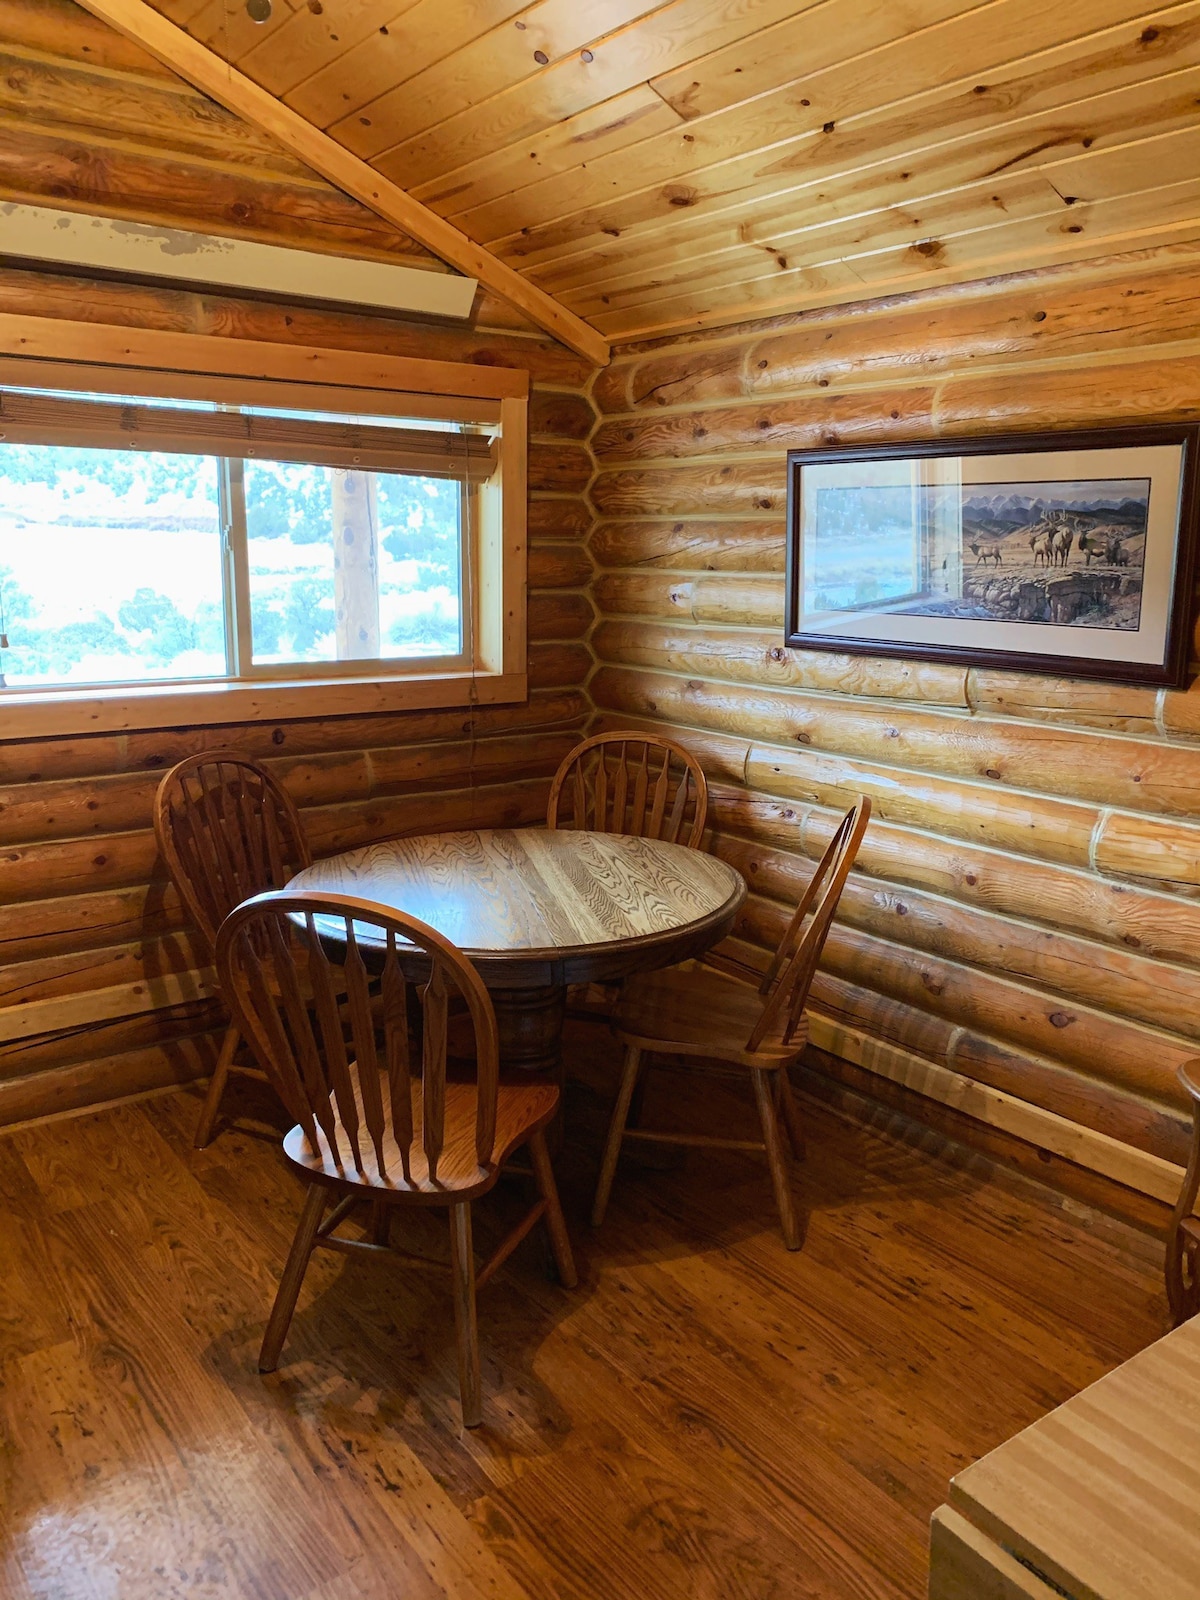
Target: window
(165, 542)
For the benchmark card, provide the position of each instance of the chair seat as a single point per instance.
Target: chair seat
(693, 1010)
(520, 1110)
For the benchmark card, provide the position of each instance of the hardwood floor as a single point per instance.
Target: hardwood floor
(706, 1416)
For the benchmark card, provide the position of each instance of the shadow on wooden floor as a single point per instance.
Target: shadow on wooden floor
(707, 1416)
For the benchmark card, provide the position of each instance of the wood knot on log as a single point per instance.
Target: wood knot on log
(1061, 1019)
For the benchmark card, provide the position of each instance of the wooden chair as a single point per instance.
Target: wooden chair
(372, 1124)
(1183, 1239)
(699, 1013)
(226, 829)
(632, 783)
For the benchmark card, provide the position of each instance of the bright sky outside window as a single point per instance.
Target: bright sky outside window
(110, 566)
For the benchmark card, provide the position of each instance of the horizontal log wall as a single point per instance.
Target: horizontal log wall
(1019, 940)
(102, 991)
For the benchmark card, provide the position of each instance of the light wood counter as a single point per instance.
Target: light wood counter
(1100, 1500)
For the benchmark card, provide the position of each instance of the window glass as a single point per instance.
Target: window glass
(157, 543)
(349, 566)
(110, 566)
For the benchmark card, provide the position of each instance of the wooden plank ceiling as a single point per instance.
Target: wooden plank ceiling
(660, 166)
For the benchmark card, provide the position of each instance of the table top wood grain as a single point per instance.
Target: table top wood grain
(1100, 1497)
(533, 906)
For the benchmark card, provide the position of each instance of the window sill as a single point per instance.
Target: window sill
(57, 712)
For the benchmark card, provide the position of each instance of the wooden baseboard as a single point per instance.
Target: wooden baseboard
(91, 1109)
(908, 1114)
(1056, 1150)
(1047, 1130)
(90, 1085)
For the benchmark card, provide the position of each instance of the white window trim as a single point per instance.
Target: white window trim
(50, 354)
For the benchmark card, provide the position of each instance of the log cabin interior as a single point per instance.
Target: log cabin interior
(780, 1044)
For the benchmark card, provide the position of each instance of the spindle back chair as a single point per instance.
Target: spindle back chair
(379, 1118)
(788, 979)
(699, 1013)
(226, 829)
(632, 783)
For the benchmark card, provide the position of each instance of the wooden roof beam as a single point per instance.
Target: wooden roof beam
(239, 94)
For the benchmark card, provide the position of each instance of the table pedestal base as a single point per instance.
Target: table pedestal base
(530, 1024)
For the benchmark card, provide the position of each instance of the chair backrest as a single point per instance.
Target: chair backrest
(632, 783)
(292, 968)
(226, 829)
(787, 980)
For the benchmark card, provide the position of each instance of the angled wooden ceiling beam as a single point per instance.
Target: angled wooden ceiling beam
(205, 69)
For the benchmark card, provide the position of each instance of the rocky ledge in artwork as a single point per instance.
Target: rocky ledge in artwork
(1063, 598)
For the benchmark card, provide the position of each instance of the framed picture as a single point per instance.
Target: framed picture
(1067, 553)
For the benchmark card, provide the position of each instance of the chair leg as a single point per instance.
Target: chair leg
(784, 1125)
(616, 1128)
(293, 1276)
(780, 1177)
(637, 1104)
(556, 1226)
(462, 1261)
(216, 1088)
(792, 1119)
(1183, 1293)
(381, 1223)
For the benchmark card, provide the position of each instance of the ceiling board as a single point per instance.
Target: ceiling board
(1158, 217)
(590, 135)
(607, 66)
(663, 164)
(306, 41)
(409, 42)
(901, 99)
(1141, 113)
(504, 64)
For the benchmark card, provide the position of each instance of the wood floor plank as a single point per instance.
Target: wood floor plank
(708, 1415)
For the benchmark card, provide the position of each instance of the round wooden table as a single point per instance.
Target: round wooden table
(537, 909)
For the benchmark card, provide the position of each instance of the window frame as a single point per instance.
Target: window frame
(40, 353)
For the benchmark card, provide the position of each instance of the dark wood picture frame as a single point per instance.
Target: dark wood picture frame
(1171, 671)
